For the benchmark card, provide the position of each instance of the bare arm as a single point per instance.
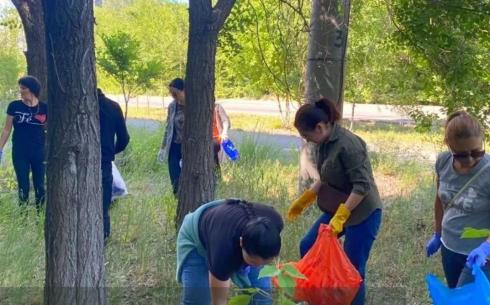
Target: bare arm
(6, 131)
(315, 187)
(219, 290)
(353, 201)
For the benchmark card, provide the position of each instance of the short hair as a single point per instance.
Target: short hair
(31, 83)
(177, 83)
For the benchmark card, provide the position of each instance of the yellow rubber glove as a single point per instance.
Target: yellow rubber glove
(338, 220)
(304, 201)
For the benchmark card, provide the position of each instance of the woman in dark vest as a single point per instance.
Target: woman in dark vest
(223, 241)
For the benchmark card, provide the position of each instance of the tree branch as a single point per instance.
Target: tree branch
(221, 11)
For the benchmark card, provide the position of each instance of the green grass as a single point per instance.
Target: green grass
(140, 257)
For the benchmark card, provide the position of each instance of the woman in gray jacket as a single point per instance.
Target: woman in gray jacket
(171, 147)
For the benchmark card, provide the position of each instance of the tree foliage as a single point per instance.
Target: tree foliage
(263, 49)
(399, 51)
(121, 59)
(11, 59)
(452, 39)
(161, 29)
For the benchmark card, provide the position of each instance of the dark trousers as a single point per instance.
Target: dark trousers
(174, 157)
(106, 167)
(358, 242)
(455, 270)
(25, 161)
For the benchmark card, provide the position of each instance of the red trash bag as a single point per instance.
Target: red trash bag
(331, 279)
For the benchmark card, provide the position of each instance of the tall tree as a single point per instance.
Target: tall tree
(325, 66)
(31, 14)
(197, 181)
(74, 235)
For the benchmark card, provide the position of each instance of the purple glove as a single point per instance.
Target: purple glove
(479, 255)
(433, 245)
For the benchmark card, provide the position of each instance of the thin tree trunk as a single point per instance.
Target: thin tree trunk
(197, 180)
(31, 14)
(74, 231)
(325, 68)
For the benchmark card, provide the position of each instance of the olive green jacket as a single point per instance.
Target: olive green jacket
(343, 163)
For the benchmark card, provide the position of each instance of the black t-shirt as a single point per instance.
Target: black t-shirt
(29, 124)
(220, 229)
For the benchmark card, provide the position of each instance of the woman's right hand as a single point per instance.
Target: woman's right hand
(304, 201)
(433, 245)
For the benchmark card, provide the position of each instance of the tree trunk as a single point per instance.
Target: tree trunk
(197, 180)
(73, 232)
(325, 67)
(31, 14)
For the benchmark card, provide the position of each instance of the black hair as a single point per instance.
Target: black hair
(31, 83)
(309, 115)
(260, 237)
(177, 83)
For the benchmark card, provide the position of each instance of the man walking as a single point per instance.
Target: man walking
(114, 138)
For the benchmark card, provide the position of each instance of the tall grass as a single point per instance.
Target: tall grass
(140, 256)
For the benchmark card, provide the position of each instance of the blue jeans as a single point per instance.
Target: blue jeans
(195, 282)
(358, 242)
(455, 270)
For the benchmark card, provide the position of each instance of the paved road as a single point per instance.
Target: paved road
(362, 112)
(282, 142)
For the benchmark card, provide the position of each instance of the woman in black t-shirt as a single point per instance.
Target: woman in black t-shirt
(226, 240)
(28, 118)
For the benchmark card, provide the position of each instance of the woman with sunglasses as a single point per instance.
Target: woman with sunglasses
(462, 200)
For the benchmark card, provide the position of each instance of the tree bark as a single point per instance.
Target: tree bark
(325, 68)
(32, 16)
(197, 180)
(74, 230)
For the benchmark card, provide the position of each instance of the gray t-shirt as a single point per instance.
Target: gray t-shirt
(470, 209)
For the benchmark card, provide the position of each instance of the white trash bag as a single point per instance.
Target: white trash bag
(119, 188)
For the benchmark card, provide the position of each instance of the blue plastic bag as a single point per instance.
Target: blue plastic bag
(476, 293)
(230, 149)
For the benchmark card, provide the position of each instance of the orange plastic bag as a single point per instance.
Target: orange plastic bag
(331, 279)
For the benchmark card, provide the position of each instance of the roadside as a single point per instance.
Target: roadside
(362, 112)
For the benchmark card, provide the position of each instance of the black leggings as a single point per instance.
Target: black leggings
(25, 161)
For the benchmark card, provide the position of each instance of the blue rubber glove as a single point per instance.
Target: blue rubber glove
(433, 245)
(479, 255)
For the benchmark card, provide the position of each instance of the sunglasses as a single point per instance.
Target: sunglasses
(475, 154)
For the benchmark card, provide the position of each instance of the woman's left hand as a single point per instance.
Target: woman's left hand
(479, 255)
(338, 220)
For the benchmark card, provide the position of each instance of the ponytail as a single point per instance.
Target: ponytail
(309, 115)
